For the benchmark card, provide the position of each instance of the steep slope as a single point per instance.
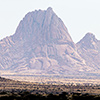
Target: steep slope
(41, 45)
(89, 49)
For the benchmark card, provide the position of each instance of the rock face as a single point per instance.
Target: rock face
(41, 45)
(89, 50)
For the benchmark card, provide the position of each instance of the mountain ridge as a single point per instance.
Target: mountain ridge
(42, 45)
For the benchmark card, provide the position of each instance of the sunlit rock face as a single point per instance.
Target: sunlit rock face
(41, 45)
(89, 50)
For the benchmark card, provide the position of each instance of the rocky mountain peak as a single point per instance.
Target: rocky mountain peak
(88, 41)
(89, 49)
(42, 26)
(90, 36)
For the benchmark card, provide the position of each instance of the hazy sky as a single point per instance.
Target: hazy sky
(79, 16)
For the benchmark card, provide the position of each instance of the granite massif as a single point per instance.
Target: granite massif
(42, 45)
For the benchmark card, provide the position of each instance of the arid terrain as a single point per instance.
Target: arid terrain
(18, 90)
(56, 79)
(8, 85)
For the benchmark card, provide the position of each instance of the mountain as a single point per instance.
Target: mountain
(89, 49)
(41, 45)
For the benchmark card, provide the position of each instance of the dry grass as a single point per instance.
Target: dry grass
(9, 85)
(54, 80)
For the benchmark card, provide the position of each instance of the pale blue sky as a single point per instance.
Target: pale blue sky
(79, 16)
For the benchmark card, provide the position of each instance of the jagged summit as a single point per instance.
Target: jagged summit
(88, 41)
(90, 36)
(42, 27)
